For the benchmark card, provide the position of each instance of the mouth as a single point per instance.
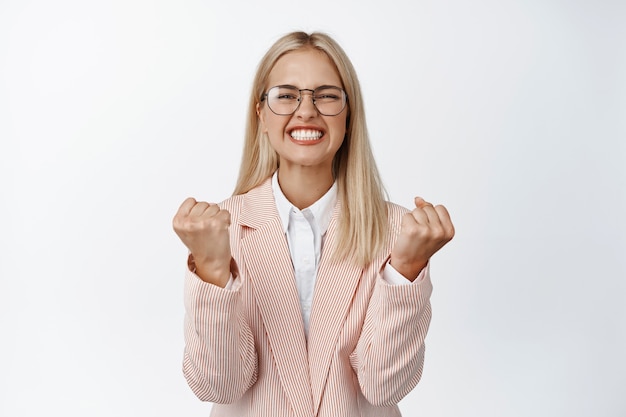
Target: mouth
(303, 135)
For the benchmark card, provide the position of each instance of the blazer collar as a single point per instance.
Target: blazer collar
(336, 283)
(269, 271)
(259, 207)
(303, 369)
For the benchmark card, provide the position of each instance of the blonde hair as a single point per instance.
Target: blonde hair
(363, 222)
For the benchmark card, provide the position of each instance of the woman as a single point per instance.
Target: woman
(307, 294)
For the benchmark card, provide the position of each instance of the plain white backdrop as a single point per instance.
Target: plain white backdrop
(511, 113)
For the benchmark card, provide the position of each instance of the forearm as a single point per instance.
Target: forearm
(220, 362)
(389, 356)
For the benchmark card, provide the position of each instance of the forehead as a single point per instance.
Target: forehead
(304, 68)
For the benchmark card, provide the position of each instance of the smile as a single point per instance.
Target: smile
(306, 134)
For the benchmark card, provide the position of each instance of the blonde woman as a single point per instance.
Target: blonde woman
(307, 293)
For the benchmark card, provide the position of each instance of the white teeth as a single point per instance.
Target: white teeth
(306, 134)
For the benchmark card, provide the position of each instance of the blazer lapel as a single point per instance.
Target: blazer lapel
(334, 289)
(270, 272)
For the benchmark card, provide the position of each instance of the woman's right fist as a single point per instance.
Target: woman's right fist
(203, 228)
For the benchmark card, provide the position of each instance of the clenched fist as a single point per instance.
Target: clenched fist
(203, 228)
(423, 232)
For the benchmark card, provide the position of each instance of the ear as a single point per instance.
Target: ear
(261, 116)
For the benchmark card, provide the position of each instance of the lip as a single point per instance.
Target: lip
(307, 128)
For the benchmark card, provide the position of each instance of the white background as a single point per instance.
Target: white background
(512, 113)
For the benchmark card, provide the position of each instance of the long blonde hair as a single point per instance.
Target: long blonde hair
(363, 222)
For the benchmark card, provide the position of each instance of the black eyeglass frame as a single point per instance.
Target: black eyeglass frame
(300, 90)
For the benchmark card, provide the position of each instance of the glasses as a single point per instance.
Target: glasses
(284, 100)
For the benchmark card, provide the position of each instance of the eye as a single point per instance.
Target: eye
(287, 96)
(285, 93)
(328, 94)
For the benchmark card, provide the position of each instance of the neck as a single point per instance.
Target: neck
(303, 186)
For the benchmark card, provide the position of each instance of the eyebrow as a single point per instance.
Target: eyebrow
(285, 86)
(293, 86)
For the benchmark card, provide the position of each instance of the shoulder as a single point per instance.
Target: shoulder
(395, 211)
(233, 201)
(233, 204)
(394, 216)
(259, 199)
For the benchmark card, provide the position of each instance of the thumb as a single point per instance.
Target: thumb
(224, 216)
(420, 202)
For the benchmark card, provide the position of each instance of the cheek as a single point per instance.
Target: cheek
(264, 119)
(339, 126)
(270, 123)
(262, 124)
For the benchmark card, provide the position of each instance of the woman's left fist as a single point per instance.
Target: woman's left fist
(424, 231)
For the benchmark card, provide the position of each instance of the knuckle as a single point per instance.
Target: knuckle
(412, 229)
(215, 223)
(189, 225)
(438, 233)
(211, 223)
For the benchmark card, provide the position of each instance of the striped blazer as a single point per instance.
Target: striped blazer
(246, 350)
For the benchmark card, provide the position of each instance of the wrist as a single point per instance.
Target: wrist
(211, 271)
(409, 270)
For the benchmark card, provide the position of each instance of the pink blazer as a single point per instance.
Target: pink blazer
(246, 350)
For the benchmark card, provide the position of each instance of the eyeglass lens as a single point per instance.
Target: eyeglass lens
(284, 100)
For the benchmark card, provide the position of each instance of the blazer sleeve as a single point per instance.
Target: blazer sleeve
(389, 356)
(220, 361)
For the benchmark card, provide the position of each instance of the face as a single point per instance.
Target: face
(305, 138)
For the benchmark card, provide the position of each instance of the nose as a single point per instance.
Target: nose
(306, 108)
